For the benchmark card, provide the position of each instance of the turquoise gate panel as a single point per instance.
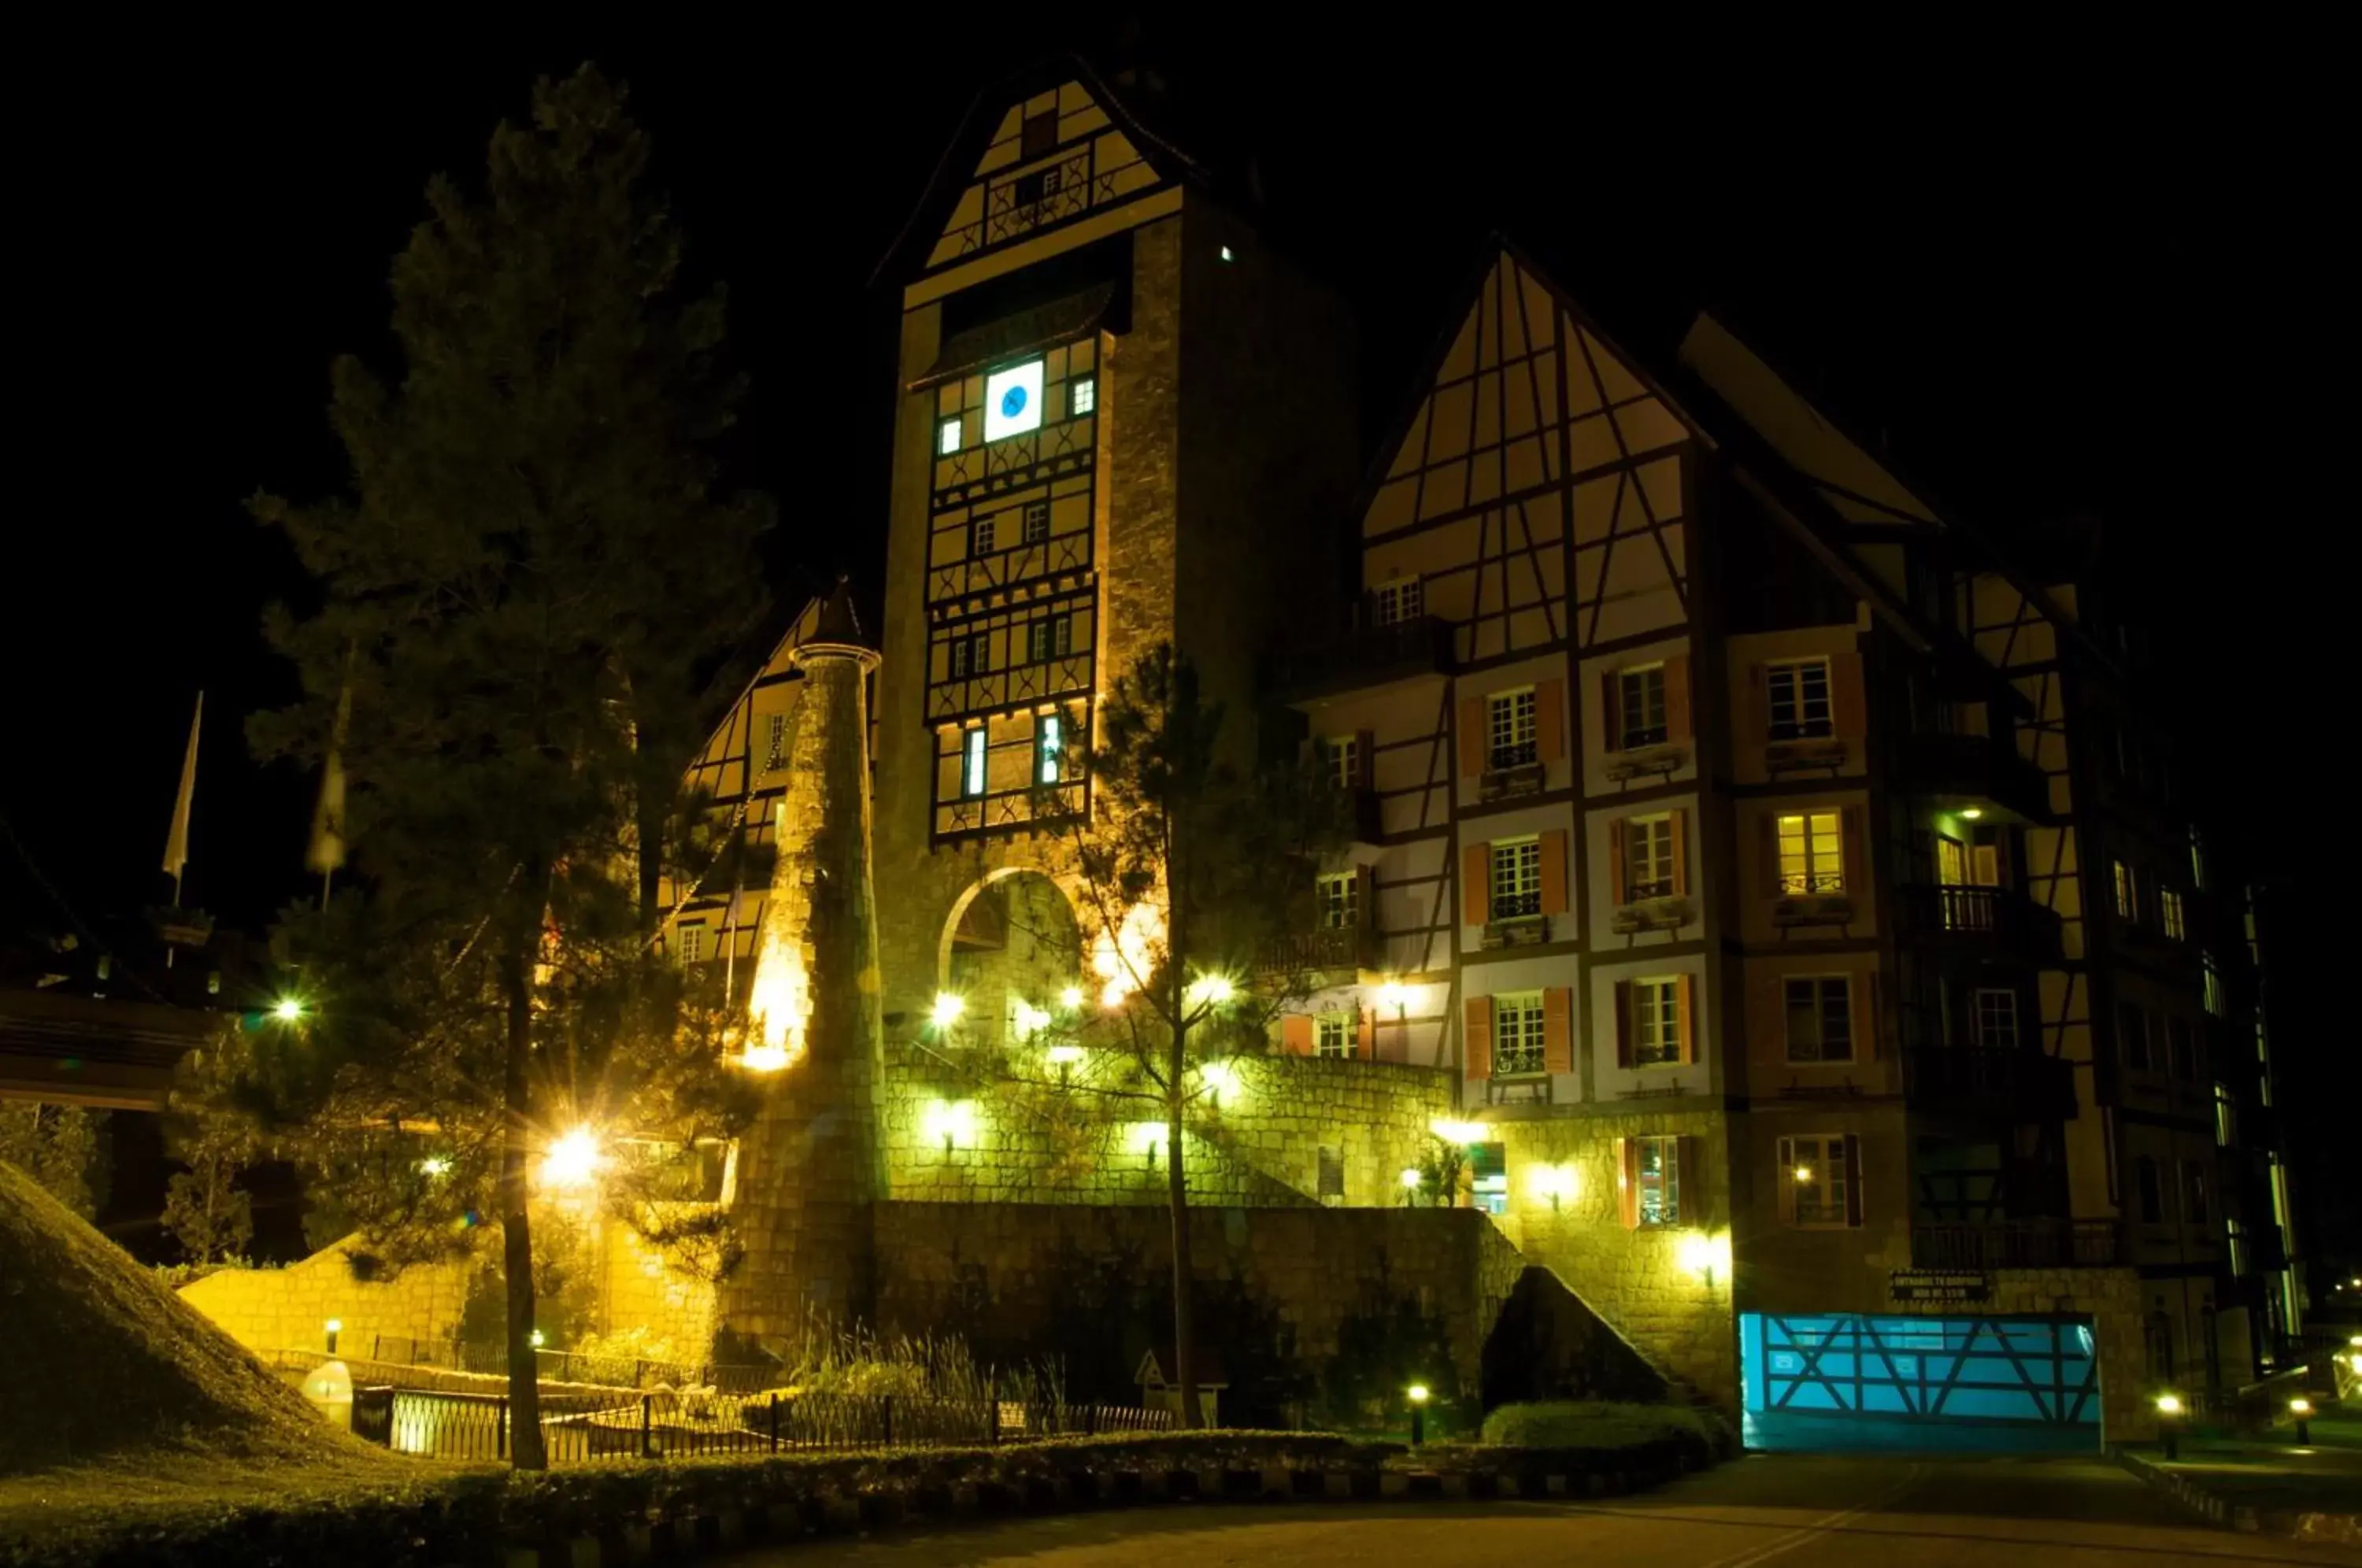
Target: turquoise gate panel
(1849, 1380)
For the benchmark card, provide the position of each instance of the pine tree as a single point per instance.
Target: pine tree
(533, 578)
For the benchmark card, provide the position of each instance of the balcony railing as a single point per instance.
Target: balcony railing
(1975, 768)
(1363, 656)
(2000, 918)
(2019, 1243)
(1327, 949)
(2019, 1083)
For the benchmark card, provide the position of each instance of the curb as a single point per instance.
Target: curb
(2336, 1529)
(1071, 1492)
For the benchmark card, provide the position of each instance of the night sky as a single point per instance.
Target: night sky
(2089, 284)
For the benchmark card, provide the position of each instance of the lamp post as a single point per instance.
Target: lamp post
(2301, 1409)
(2168, 1423)
(334, 1326)
(1417, 1396)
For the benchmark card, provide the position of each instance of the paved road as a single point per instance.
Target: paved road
(1800, 1512)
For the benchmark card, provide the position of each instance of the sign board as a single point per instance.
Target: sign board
(1939, 1286)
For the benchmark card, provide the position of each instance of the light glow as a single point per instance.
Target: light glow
(1803, 1174)
(1221, 1078)
(1064, 1055)
(1459, 1135)
(1211, 990)
(2299, 1406)
(1411, 1178)
(1012, 401)
(573, 1160)
(1026, 1021)
(1394, 994)
(948, 1007)
(1123, 958)
(334, 1325)
(435, 1165)
(1970, 813)
(2168, 1404)
(1555, 1185)
(1703, 1255)
(1148, 1137)
(1071, 998)
(536, 1339)
(1418, 1393)
(951, 1123)
(288, 1009)
(781, 1007)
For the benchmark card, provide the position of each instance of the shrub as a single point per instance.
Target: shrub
(1598, 1424)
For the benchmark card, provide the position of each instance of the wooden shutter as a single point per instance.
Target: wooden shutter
(1619, 880)
(1685, 1160)
(1623, 1023)
(1471, 736)
(1611, 716)
(1785, 1182)
(1365, 897)
(1677, 698)
(1853, 1179)
(1549, 720)
(1296, 1033)
(1848, 709)
(1851, 859)
(1476, 883)
(1681, 835)
(1366, 1033)
(1768, 840)
(1767, 1018)
(1752, 712)
(1628, 1182)
(1365, 760)
(1558, 1029)
(1554, 847)
(1479, 1016)
(1686, 1008)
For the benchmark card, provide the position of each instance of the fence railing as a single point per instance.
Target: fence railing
(2019, 1243)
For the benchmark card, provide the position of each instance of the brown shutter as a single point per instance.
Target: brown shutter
(1558, 1029)
(1479, 1016)
(1767, 1018)
(1365, 760)
(1753, 713)
(1619, 880)
(1685, 1160)
(1768, 835)
(1851, 860)
(1684, 1007)
(1471, 736)
(1848, 709)
(1554, 872)
(1628, 1182)
(1365, 897)
(1296, 1033)
(1611, 718)
(1677, 698)
(1623, 1023)
(1853, 1179)
(1784, 1183)
(1476, 883)
(1681, 832)
(1366, 1029)
(1549, 720)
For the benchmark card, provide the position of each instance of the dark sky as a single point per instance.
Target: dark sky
(2062, 279)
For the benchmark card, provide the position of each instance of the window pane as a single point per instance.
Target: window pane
(1511, 732)
(1517, 879)
(1518, 1033)
(1642, 698)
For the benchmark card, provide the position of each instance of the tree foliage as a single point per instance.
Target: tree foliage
(56, 1145)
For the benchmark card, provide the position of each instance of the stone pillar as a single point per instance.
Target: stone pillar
(812, 1167)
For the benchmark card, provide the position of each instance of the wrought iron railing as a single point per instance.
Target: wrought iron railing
(2001, 916)
(2018, 1079)
(1328, 947)
(2019, 1243)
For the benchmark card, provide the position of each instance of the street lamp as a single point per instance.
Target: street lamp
(1417, 1393)
(2168, 1422)
(948, 1007)
(573, 1159)
(288, 1009)
(334, 1326)
(2301, 1409)
(1410, 1180)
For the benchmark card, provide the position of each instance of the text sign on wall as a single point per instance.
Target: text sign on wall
(1939, 1286)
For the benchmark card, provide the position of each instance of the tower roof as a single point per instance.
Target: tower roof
(839, 622)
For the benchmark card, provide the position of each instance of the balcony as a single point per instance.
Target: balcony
(1973, 769)
(1366, 655)
(1345, 950)
(2018, 1085)
(1987, 922)
(2019, 1243)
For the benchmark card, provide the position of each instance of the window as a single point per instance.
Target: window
(1340, 900)
(1037, 135)
(1012, 401)
(1819, 1178)
(947, 436)
(1951, 861)
(1082, 395)
(1996, 1019)
(1488, 1172)
(1510, 729)
(1517, 1034)
(1640, 700)
(1648, 857)
(1811, 856)
(1657, 1022)
(2181, 1052)
(1037, 521)
(775, 749)
(2132, 1037)
(2169, 912)
(1516, 878)
(972, 763)
(980, 536)
(2149, 1186)
(2226, 1117)
(1342, 756)
(692, 943)
(2234, 1245)
(971, 653)
(1049, 748)
(2263, 1066)
(2193, 1192)
(2197, 862)
(2127, 894)
(1652, 1182)
(2247, 922)
(1405, 599)
(1332, 1034)
(1799, 695)
(2211, 980)
(1820, 1019)
(1049, 637)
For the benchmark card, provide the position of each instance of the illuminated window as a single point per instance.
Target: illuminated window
(1812, 857)
(1037, 521)
(971, 653)
(1820, 1019)
(947, 436)
(1648, 857)
(2169, 911)
(1052, 637)
(775, 754)
(2181, 1049)
(1657, 1023)
(1996, 1018)
(2132, 1037)
(2247, 921)
(1012, 401)
(2195, 1207)
(2211, 979)
(1798, 691)
(1488, 1173)
(2127, 890)
(1405, 599)
(1819, 1173)
(1517, 1034)
(2263, 1066)
(1516, 878)
(692, 943)
(1640, 696)
(972, 763)
(1332, 1034)
(2197, 862)
(2234, 1246)
(1083, 395)
(1653, 1180)
(1049, 748)
(1341, 755)
(1340, 900)
(1510, 729)
(2226, 1117)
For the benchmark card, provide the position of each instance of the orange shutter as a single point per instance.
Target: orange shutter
(1554, 872)
(1558, 1029)
(1366, 1043)
(1628, 1182)
(1686, 1009)
(1476, 883)
(1848, 709)
(1784, 1181)
(1471, 736)
(1853, 1179)
(1296, 1033)
(1687, 1166)
(1619, 881)
(1677, 698)
(1865, 1026)
(1549, 720)
(1623, 1023)
(1680, 829)
(1611, 717)
(1854, 866)
(1479, 1016)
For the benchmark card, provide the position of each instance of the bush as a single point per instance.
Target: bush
(1598, 1424)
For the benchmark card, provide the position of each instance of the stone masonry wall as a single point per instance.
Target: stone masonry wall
(288, 1309)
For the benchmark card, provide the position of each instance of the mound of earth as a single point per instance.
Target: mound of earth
(100, 1361)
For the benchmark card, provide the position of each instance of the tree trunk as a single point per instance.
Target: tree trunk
(1176, 1180)
(525, 1450)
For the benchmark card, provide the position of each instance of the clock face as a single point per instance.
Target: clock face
(1012, 401)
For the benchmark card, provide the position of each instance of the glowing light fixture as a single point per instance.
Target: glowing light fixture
(1458, 1134)
(2356, 1342)
(1071, 998)
(1394, 994)
(1418, 1393)
(1411, 1178)
(334, 1325)
(536, 1339)
(948, 1006)
(1701, 1254)
(1229, 254)
(1804, 1174)
(1026, 1021)
(1064, 1055)
(1211, 991)
(2168, 1404)
(1970, 813)
(1555, 1183)
(950, 1122)
(288, 1009)
(435, 1165)
(572, 1160)
(764, 1058)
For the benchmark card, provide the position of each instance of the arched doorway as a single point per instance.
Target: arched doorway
(1012, 944)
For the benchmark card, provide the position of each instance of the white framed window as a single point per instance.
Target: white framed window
(1797, 691)
(1657, 1022)
(1652, 1180)
(1404, 599)
(947, 436)
(1811, 854)
(775, 743)
(1517, 868)
(1341, 756)
(972, 762)
(1820, 1018)
(1012, 401)
(2234, 1246)
(1332, 1034)
(692, 943)
(2226, 1117)
(1509, 733)
(1339, 895)
(2132, 1037)
(1648, 857)
(1640, 696)
(1036, 524)
(2170, 913)
(1996, 1019)
(1082, 395)
(2127, 891)
(1049, 748)
(1818, 1174)
(1517, 1035)
(2211, 980)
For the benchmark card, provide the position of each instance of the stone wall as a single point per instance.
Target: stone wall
(289, 1309)
(639, 1289)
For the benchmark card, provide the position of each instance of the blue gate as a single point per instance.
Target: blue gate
(1845, 1380)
